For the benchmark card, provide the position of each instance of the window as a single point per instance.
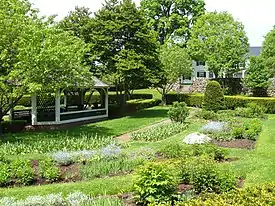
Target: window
(200, 63)
(211, 75)
(201, 74)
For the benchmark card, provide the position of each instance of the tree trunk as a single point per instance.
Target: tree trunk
(163, 97)
(1, 119)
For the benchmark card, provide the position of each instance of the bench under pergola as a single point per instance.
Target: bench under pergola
(66, 107)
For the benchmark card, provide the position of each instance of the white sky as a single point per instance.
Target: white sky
(258, 16)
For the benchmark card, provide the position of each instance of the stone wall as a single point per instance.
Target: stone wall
(271, 88)
(199, 85)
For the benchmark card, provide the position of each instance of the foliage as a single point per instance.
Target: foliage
(179, 150)
(268, 51)
(212, 127)
(178, 112)
(176, 62)
(257, 76)
(213, 98)
(48, 144)
(159, 132)
(5, 174)
(172, 19)
(22, 171)
(154, 183)
(253, 195)
(220, 41)
(48, 170)
(207, 115)
(252, 110)
(123, 47)
(205, 176)
(73, 199)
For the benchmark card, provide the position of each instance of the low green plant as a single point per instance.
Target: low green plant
(178, 112)
(252, 110)
(158, 132)
(5, 174)
(254, 195)
(252, 129)
(206, 176)
(175, 150)
(48, 170)
(155, 183)
(207, 115)
(22, 171)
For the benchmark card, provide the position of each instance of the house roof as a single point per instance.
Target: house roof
(255, 51)
(99, 84)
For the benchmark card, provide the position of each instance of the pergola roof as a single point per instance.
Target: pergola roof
(99, 84)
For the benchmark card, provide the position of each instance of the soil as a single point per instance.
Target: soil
(238, 143)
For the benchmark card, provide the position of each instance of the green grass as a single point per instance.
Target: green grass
(104, 186)
(258, 166)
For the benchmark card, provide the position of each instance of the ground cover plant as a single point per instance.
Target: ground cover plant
(158, 132)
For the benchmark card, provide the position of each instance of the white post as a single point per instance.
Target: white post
(106, 101)
(57, 107)
(65, 100)
(34, 109)
(11, 110)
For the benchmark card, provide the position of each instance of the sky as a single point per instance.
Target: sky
(258, 16)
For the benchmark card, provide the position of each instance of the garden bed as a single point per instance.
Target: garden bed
(237, 143)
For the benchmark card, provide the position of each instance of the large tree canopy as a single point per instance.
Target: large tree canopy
(172, 19)
(268, 52)
(35, 56)
(220, 41)
(175, 63)
(124, 47)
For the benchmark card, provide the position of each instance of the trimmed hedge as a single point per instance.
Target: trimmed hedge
(231, 102)
(26, 100)
(132, 106)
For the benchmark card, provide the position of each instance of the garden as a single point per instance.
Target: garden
(164, 155)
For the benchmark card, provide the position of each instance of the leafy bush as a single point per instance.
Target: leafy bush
(251, 111)
(178, 112)
(252, 129)
(207, 115)
(213, 98)
(255, 195)
(22, 171)
(158, 132)
(231, 102)
(155, 183)
(205, 176)
(5, 174)
(49, 170)
(175, 150)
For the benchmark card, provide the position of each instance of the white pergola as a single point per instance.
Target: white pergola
(70, 116)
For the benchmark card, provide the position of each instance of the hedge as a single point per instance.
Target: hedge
(231, 102)
(26, 100)
(132, 106)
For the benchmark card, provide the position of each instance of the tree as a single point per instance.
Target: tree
(36, 56)
(172, 19)
(220, 41)
(124, 48)
(175, 63)
(257, 76)
(268, 52)
(213, 97)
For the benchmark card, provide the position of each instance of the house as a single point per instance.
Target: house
(200, 69)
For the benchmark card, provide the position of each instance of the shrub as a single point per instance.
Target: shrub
(5, 174)
(178, 112)
(155, 183)
(255, 195)
(22, 171)
(175, 150)
(207, 115)
(252, 110)
(205, 176)
(213, 98)
(252, 129)
(158, 132)
(49, 170)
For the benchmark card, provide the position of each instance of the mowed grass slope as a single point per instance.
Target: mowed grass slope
(258, 166)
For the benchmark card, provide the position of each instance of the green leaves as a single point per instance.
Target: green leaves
(220, 41)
